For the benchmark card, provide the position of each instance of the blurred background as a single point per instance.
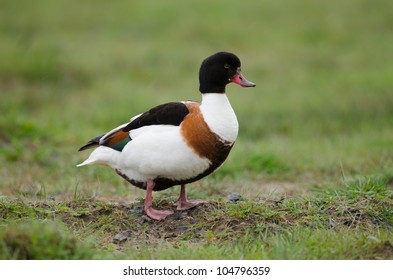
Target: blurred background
(70, 70)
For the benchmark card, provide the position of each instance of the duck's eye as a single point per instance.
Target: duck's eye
(226, 66)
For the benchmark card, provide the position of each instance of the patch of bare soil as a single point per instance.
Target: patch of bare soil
(384, 250)
(202, 223)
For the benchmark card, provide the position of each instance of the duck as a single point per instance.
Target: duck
(175, 143)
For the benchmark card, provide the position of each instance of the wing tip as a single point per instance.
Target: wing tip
(88, 146)
(95, 142)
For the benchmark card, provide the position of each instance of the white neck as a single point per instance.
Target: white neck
(219, 115)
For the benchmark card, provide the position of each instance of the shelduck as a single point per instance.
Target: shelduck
(175, 143)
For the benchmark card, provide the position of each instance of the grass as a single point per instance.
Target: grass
(313, 162)
(355, 223)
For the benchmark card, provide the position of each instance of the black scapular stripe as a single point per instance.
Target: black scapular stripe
(172, 113)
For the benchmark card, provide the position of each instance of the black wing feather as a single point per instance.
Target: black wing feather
(95, 142)
(172, 113)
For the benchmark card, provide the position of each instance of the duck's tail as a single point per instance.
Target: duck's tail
(102, 156)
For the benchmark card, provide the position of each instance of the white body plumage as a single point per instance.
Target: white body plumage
(161, 150)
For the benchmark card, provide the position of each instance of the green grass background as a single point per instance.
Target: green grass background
(320, 118)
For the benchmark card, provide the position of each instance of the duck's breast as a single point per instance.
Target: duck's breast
(206, 143)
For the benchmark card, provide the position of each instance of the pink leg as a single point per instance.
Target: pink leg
(150, 211)
(183, 203)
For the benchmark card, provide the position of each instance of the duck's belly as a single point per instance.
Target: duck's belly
(160, 154)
